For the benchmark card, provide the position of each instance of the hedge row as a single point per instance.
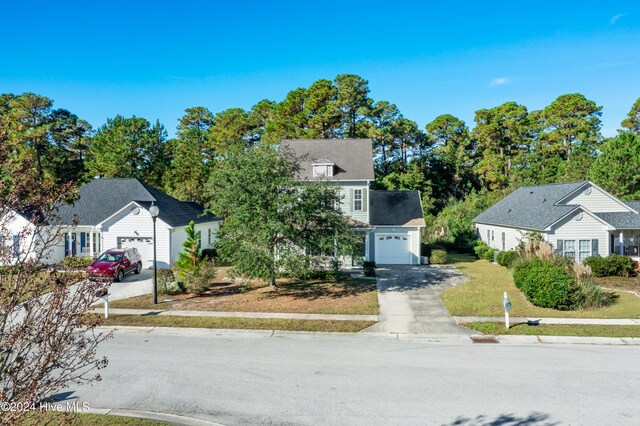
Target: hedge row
(610, 266)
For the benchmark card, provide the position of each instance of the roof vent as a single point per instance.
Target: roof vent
(578, 217)
(530, 192)
(587, 190)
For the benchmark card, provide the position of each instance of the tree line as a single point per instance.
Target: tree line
(448, 162)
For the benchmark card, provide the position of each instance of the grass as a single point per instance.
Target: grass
(237, 323)
(582, 330)
(482, 295)
(620, 283)
(55, 418)
(351, 296)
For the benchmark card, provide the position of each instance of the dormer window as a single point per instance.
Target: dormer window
(323, 169)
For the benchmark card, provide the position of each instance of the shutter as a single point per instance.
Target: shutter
(559, 248)
(351, 200)
(594, 247)
(364, 199)
(83, 241)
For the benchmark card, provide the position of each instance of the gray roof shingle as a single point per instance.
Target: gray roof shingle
(101, 198)
(353, 157)
(395, 208)
(531, 207)
(623, 220)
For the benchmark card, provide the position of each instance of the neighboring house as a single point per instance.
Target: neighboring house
(389, 221)
(114, 213)
(578, 219)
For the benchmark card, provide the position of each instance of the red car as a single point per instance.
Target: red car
(115, 264)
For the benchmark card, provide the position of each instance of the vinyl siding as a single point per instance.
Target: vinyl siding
(126, 224)
(596, 201)
(179, 236)
(587, 228)
(346, 191)
(513, 236)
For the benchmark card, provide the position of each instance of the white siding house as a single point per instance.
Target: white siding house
(114, 213)
(578, 219)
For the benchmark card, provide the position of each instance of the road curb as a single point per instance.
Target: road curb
(173, 419)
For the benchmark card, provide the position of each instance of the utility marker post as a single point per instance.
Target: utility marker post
(507, 308)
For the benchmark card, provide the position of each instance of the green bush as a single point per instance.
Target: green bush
(369, 268)
(483, 251)
(610, 266)
(545, 284)
(506, 258)
(167, 283)
(77, 262)
(209, 254)
(588, 295)
(199, 280)
(438, 257)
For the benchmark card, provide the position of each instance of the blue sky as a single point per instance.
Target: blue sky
(154, 59)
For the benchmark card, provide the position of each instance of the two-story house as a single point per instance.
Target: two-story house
(579, 219)
(389, 221)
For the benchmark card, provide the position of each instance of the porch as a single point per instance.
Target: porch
(82, 241)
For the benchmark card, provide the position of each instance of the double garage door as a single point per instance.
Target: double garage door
(393, 249)
(144, 245)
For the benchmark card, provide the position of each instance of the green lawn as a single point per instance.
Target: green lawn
(582, 330)
(237, 323)
(482, 295)
(78, 419)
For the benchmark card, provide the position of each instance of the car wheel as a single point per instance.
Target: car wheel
(138, 268)
(120, 276)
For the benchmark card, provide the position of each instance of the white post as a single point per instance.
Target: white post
(506, 318)
(621, 243)
(91, 243)
(507, 306)
(70, 243)
(106, 305)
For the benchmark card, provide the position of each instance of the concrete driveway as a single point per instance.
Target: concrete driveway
(409, 302)
(132, 285)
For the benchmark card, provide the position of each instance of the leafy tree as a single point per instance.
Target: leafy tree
(189, 258)
(268, 215)
(261, 123)
(129, 148)
(353, 101)
(616, 169)
(321, 110)
(455, 150)
(231, 131)
(381, 119)
(191, 156)
(632, 122)
(406, 137)
(503, 138)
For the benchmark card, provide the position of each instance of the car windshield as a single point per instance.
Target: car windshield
(110, 257)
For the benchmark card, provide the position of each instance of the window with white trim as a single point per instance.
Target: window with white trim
(492, 236)
(570, 248)
(584, 249)
(357, 199)
(322, 170)
(504, 242)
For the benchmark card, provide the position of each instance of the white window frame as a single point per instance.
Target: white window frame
(503, 241)
(322, 170)
(566, 252)
(357, 198)
(580, 251)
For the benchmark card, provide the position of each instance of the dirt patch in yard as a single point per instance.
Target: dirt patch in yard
(350, 296)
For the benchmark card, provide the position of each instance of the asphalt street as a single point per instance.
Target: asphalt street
(256, 378)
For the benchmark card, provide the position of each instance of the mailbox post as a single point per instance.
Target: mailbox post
(104, 293)
(507, 308)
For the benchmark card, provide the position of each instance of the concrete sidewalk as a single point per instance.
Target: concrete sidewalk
(216, 314)
(586, 321)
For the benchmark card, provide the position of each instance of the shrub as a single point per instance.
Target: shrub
(610, 265)
(77, 262)
(588, 295)
(506, 258)
(323, 274)
(545, 283)
(199, 280)
(483, 251)
(369, 268)
(438, 257)
(167, 283)
(209, 254)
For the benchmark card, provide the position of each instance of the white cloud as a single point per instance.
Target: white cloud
(615, 18)
(500, 81)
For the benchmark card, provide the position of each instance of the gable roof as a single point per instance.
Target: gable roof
(395, 208)
(353, 158)
(531, 207)
(101, 198)
(623, 220)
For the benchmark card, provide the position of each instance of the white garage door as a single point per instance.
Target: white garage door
(144, 245)
(393, 249)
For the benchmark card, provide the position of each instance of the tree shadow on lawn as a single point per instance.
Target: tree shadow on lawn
(317, 289)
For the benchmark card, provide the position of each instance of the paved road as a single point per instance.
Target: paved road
(252, 378)
(409, 302)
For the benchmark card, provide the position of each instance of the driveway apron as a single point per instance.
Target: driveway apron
(409, 302)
